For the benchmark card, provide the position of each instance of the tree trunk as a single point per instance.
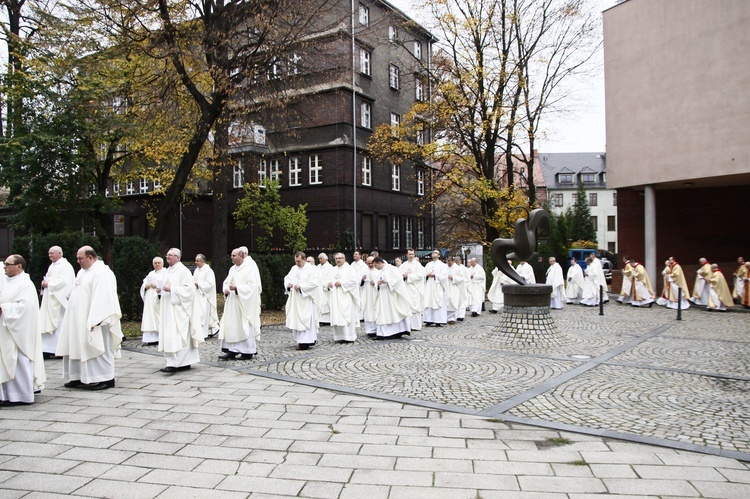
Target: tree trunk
(222, 170)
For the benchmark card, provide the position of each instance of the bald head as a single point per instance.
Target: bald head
(55, 253)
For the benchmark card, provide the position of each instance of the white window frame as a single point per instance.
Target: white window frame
(262, 173)
(366, 170)
(418, 50)
(420, 137)
(395, 124)
(364, 15)
(420, 234)
(365, 62)
(396, 232)
(238, 175)
(593, 199)
(419, 89)
(395, 177)
(157, 184)
(143, 185)
(116, 187)
(394, 75)
(393, 33)
(130, 187)
(420, 182)
(315, 170)
(565, 178)
(295, 171)
(293, 64)
(365, 115)
(275, 172)
(408, 223)
(588, 178)
(558, 200)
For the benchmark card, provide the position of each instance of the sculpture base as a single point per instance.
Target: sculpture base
(526, 319)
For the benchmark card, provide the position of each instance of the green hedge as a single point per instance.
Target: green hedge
(273, 269)
(131, 262)
(34, 249)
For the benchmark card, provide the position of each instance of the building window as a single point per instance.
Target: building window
(395, 124)
(366, 115)
(557, 200)
(262, 173)
(396, 177)
(593, 199)
(418, 51)
(366, 170)
(393, 79)
(293, 63)
(238, 175)
(295, 171)
(420, 184)
(130, 187)
(595, 223)
(143, 185)
(116, 187)
(157, 184)
(611, 247)
(611, 223)
(420, 137)
(408, 232)
(565, 178)
(396, 233)
(364, 62)
(393, 33)
(420, 233)
(614, 198)
(588, 177)
(364, 15)
(316, 169)
(275, 173)
(419, 89)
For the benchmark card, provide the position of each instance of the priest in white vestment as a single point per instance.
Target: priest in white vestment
(555, 279)
(205, 288)
(21, 361)
(324, 268)
(574, 289)
(463, 288)
(91, 334)
(360, 270)
(526, 271)
(151, 302)
(240, 323)
(702, 287)
(180, 331)
(495, 293)
(343, 299)
(303, 291)
(393, 304)
(453, 289)
(56, 286)
(719, 297)
(593, 282)
(477, 286)
(369, 292)
(435, 300)
(413, 273)
(738, 279)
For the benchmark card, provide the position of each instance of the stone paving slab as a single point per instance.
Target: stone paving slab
(243, 430)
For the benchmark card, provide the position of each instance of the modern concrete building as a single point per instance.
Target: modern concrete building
(562, 174)
(677, 75)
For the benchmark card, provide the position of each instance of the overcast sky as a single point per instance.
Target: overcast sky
(581, 127)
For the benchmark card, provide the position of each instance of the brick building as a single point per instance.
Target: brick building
(366, 70)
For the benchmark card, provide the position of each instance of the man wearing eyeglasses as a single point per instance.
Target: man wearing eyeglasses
(22, 369)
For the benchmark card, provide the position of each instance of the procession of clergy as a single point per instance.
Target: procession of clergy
(79, 316)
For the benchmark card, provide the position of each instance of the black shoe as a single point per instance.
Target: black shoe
(379, 338)
(74, 383)
(6, 403)
(228, 356)
(102, 385)
(474, 314)
(371, 335)
(246, 356)
(168, 370)
(184, 368)
(495, 311)
(460, 320)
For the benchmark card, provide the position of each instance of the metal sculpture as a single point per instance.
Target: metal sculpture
(523, 245)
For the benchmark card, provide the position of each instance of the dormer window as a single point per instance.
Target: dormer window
(588, 177)
(565, 178)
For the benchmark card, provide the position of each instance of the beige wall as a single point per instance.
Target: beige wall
(677, 78)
